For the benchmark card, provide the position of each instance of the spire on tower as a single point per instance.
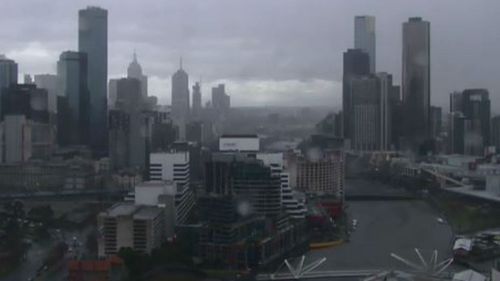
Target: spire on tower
(180, 63)
(135, 56)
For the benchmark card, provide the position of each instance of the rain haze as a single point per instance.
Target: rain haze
(281, 53)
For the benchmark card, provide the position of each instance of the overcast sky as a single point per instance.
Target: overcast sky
(268, 52)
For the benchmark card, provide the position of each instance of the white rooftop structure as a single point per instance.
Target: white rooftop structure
(468, 275)
(244, 143)
(463, 243)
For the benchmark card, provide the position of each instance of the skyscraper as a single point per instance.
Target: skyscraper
(129, 127)
(196, 101)
(180, 100)
(416, 80)
(93, 40)
(112, 92)
(356, 63)
(364, 37)
(364, 92)
(135, 71)
(8, 74)
(72, 73)
(477, 109)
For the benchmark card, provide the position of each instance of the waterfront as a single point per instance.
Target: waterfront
(385, 227)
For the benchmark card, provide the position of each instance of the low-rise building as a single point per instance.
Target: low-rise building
(126, 225)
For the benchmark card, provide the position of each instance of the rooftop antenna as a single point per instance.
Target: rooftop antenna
(180, 63)
(135, 56)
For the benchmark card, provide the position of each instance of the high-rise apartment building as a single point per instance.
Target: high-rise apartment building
(93, 40)
(364, 37)
(385, 110)
(416, 80)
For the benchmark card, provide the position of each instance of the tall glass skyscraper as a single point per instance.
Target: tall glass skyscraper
(93, 40)
(416, 80)
(364, 37)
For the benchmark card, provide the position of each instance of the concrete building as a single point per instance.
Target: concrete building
(364, 37)
(125, 225)
(134, 70)
(93, 40)
(416, 82)
(170, 166)
(72, 73)
(180, 100)
(325, 175)
(50, 83)
(176, 200)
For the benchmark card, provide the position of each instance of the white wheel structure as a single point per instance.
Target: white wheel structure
(301, 268)
(429, 267)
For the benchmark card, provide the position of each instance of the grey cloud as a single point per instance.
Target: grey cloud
(261, 42)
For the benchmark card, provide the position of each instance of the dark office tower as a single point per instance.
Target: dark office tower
(135, 71)
(196, 102)
(356, 63)
(476, 108)
(436, 121)
(416, 80)
(364, 37)
(495, 132)
(8, 74)
(93, 40)
(180, 100)
(72, 73)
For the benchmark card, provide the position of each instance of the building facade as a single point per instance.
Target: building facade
(364, 37)
(93, 40)
(72, 73)
(416, 82)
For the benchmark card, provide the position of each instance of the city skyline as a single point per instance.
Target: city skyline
(260, 65)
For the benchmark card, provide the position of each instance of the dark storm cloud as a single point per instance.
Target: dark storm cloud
(267, 51)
